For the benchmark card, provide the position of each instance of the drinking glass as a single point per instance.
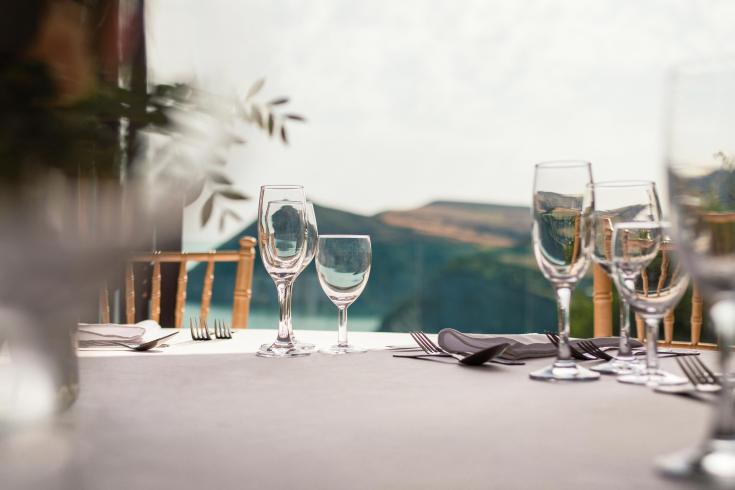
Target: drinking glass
(700, 154)
(282, 243)
(343, 266)
(648, 274)
(561, 244)
(614, 202)
(312, 236)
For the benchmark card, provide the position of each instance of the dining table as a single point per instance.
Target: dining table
(211, 415)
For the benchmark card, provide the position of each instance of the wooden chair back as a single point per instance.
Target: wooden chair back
(245, 258)
(720, 224)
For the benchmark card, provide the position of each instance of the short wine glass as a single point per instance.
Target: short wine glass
(561, 244)
(282, 243)
(618, 201)
(647, 272)
(343, 266)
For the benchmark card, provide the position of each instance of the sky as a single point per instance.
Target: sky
(413, 101)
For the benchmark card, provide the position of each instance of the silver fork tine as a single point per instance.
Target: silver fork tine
(701, 374)
(428, 348)
(205, 329)
(216, 329)
(435, 348)
(685, 369)
(704, 367)
(228, 330)
(419, 341)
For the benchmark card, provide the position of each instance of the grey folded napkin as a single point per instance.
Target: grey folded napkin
(522, 346)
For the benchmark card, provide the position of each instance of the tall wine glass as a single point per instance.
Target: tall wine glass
(614, 202)
(282, 243)
(312, 236)
(343, 266)
(561, 244)
(648, 274)
(701, 170)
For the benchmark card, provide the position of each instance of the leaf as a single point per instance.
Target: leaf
(232, 194)
(257, 116)
(279, 101)
(271, 124)
(255, 88)
(207, 210)
(283, 134)
(228, 214)
(295, 117)
(218, 178)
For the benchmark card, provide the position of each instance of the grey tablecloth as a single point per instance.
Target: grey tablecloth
(365, 421)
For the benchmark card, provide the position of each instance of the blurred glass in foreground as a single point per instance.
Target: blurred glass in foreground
(701, 170)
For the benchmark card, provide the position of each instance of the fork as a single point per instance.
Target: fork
(576, 353)
(699, 374)
(222, 330)
(591, 349)
(475, 359)
(199, 329)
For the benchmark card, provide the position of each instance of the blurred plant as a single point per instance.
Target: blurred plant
(192, 134)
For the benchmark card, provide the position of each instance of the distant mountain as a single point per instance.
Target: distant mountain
(487, 225)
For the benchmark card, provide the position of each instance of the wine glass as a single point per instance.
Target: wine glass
(343, 266)
(700, 154)
(282, 243)
(648, 274)
(561, 244)
(614, 202)
(312, 236)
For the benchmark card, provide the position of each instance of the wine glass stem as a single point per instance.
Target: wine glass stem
(563, 301)
(651, 346)
(288, 317)
(624, 349)
(723, 316)
(284, 314)
(342, 330)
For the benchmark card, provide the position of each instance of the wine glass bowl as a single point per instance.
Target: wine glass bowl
(343, 266)
(562, 247)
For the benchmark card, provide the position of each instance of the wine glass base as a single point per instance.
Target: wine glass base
(338, 350)
(275, 350)
(617, 366)
(658, 378)
(305, 346)
(564, 371)
(302, 345)
(713, 462)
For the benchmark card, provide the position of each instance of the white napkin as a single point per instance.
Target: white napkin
(105, 334)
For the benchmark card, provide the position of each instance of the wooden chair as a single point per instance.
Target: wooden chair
(720, 223)
(244, 257)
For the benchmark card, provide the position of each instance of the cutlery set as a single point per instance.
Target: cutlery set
(478, 358)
